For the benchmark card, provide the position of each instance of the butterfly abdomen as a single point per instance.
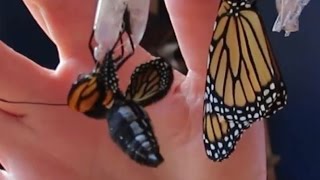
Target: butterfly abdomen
(130, 128)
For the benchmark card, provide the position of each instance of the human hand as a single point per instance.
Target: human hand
(49, 142)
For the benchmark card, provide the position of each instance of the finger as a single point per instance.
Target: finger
(35, 11)
(67, 23)
(21, 79)
(193, 23)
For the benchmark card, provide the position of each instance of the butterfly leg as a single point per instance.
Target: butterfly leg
(123, 58)
(91, 48)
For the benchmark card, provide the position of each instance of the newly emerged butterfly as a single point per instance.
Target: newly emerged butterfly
(243, 82)
(97, 95)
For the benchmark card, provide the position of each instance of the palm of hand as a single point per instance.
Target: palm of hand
(49, 142)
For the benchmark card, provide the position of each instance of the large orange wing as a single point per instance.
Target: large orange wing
(243, 82)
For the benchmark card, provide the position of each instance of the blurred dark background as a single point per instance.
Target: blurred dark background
(294, 130)
(19, 30)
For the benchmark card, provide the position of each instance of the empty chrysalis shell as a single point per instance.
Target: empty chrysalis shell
(109, 22)
(289, 12)
(107, 25)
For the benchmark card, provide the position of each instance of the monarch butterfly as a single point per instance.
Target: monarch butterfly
(97, 95)
(243, 82)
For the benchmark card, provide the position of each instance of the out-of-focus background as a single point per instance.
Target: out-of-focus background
(294, 131)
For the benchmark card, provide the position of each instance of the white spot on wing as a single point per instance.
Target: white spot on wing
(209, 153)
(272, 86)
(212, 147)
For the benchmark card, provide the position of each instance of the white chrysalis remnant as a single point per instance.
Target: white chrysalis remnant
(288, 15)
(109, 23)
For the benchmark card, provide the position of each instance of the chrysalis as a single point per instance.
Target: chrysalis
(289, 12)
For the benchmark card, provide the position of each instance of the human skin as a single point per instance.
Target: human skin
(48, 143)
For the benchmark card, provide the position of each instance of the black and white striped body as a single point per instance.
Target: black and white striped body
(130, 128)
(129, 124)
(98, 96)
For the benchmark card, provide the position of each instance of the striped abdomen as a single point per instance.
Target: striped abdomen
(130, 128)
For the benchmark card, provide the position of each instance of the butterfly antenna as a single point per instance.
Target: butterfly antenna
(123, 60)
(35, 103)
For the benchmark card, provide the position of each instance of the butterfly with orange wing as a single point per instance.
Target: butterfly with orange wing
(243, 82)
(97, 95)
